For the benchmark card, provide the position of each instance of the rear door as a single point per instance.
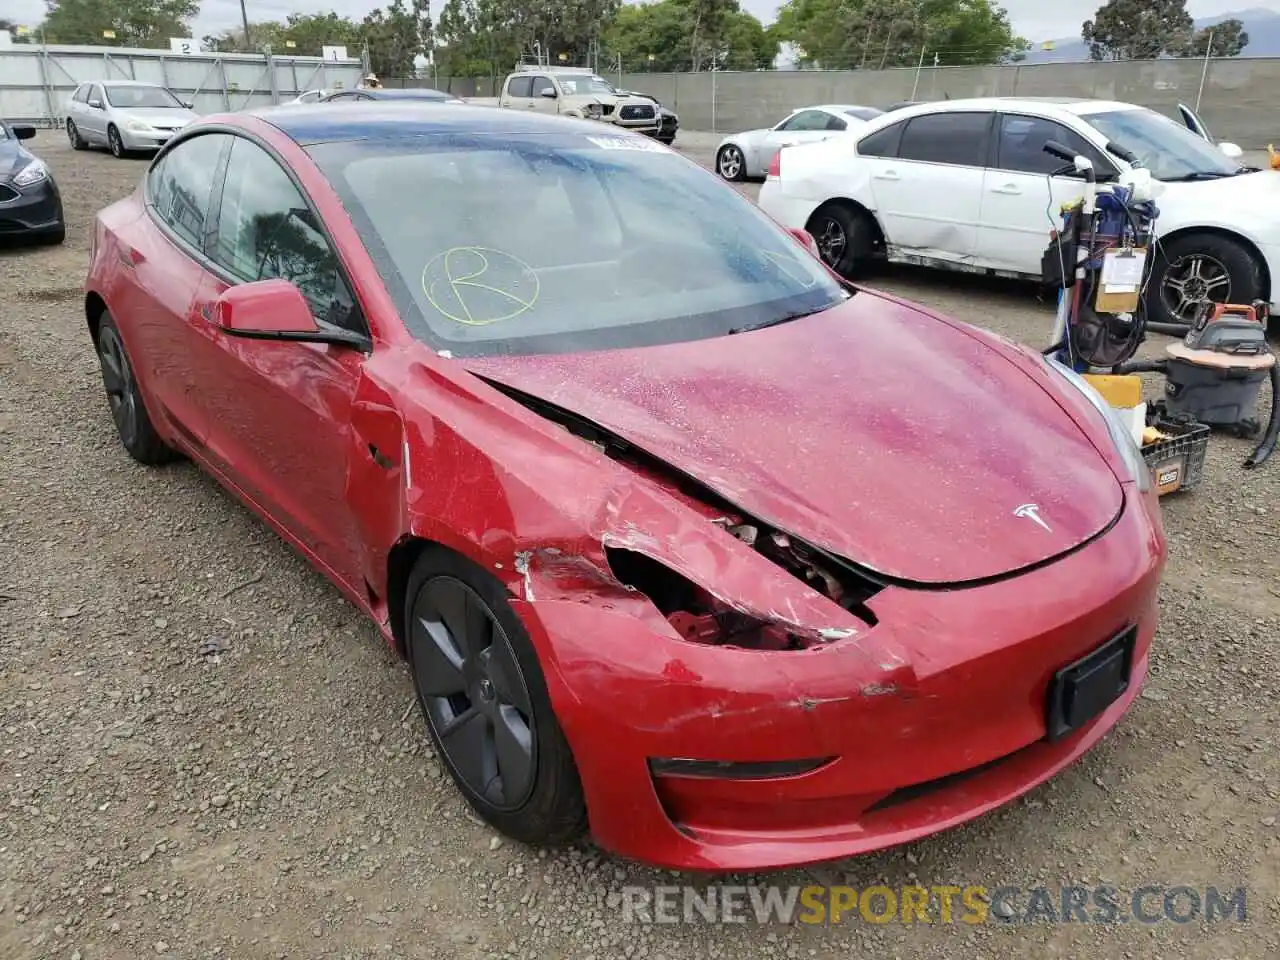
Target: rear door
(519, 92)
(161, 254)
(928, 193)
(1020, 200)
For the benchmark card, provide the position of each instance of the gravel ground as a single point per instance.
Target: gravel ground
(207, 753)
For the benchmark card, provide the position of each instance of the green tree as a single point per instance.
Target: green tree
(308, 31)
(136, 23)
(665, 30)
(1138, 29)
(1225, 39)
(394, 38)
(873, 34)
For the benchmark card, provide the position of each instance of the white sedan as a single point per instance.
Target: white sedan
(742, 156)
(966, 185)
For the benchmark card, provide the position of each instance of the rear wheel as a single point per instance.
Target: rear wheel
(484, 697)
(1197, 269)
(846, 237)
(730, 163)
(133, 424)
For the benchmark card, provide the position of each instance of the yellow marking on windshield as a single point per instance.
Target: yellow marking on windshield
(473, 286)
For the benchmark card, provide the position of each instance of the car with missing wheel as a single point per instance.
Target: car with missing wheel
(747, 155)
(30, 201)
(966, 185)
(620, 472)
(125, 116)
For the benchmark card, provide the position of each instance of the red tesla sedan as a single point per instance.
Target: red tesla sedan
(686, 541)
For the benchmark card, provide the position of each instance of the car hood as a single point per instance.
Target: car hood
(872, 430)
(13, 157)
(161, 116)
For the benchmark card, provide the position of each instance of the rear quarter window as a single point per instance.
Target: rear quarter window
(881, 143)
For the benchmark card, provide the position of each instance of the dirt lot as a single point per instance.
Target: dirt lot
(272, 795)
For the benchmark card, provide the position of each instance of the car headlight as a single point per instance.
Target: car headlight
(1123, 440)
(139, 125)
(33, 172)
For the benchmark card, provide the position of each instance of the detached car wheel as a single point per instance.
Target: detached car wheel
(133, 424)
(730, 163)
(484, 698)
(1200, 268)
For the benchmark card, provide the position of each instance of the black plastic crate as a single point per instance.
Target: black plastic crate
(1177, 463)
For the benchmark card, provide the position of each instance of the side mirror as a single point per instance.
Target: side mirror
(548, 92)
(806, 239)
(96, 104)
(1231, 150)
(23, 131)
(273, 310)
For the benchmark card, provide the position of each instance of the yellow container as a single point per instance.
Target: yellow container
(1122, 392)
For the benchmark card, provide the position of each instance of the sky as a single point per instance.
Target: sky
(1034, 19)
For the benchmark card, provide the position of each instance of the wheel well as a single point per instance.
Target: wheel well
(1234, 237)
(855, 207)
(400, 563)
(94, 308)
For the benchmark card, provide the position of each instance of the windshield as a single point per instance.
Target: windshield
(566, 243)
(576, 85)
(130, 96)
(1164, 146)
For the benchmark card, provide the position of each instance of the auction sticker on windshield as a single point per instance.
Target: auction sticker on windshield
(641, 144)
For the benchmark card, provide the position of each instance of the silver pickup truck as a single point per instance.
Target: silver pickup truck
(574, 92)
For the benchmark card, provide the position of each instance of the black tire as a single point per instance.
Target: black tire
(731, 164)
(133, 424)
(115, 143)
(1199, 262)
(549, 807)
(73, 134)
(847, 237)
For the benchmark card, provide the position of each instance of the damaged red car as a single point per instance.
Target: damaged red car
(688, 543)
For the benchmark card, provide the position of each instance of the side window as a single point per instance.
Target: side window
(881, 143)
(540, 84)
(835, 123)
(958, 138)
(95, 93)
(82, 93)
(1022, 140)
(805, 120)
(180, 185)
(267, 230)
(520, 87)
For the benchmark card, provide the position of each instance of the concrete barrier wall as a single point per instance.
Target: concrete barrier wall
(1238, 103)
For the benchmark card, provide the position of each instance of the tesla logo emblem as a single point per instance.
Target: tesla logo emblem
(1029, 511)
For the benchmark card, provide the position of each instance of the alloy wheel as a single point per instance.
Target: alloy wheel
(73, 135)
(473, 692)
(1193, 281)
(730, 163)
(117, 147)
(831, 240)
(117, 378)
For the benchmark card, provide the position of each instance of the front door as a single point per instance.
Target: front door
(1021, 201)
(929, 194)
(279, 413)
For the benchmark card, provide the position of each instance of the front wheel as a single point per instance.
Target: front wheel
(115, 143)
(1199, 269)
(73, 135)
(731, 164)
(484, 697)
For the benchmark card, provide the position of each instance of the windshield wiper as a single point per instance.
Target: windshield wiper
(778, 321)
(1198, 175)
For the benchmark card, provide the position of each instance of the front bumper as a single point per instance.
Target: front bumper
(934, 717)
(33, 211)
(145, 139)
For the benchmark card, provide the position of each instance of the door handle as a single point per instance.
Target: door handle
(888, 175)
(1009, 189)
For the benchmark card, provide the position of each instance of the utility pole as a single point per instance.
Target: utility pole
(244, 19)
(1204, 73)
